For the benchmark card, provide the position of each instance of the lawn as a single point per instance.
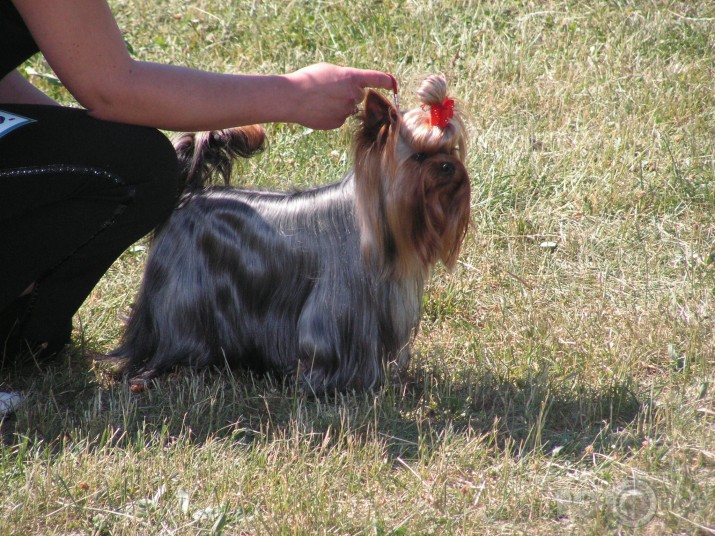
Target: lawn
(563, 379)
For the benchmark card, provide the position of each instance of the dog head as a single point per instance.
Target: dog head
(412, 188)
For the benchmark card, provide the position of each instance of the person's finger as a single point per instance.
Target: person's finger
(368, 78)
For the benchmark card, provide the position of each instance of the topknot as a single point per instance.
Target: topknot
(433, 90)
(417, 123)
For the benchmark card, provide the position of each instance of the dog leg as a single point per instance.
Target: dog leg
(318, 348)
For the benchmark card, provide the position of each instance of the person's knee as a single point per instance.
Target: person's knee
(154, 177)
(163, 173)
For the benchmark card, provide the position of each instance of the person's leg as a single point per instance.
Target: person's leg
(76, 192)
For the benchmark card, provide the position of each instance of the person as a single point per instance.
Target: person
(80, 185)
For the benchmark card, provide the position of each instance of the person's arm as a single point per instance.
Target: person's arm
(83, 45)
(15, 88)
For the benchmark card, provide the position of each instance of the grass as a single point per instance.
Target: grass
(567, 361)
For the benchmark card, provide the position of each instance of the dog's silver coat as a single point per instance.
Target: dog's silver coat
(280, 282)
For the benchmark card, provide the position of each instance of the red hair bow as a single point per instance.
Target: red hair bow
(440, 114)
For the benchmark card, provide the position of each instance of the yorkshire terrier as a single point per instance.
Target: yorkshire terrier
(324, 285)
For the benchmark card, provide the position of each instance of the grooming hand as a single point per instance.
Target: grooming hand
(329, 94)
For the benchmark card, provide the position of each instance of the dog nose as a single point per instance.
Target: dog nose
(447, 168)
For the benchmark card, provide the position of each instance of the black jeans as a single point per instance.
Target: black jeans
(75, 192)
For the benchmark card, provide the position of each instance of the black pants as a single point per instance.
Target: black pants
(75, 192)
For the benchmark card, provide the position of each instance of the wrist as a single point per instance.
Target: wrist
(289, 98)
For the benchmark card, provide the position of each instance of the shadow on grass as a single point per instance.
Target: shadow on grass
(69, 401)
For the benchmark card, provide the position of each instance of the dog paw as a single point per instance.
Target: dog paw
(141, 382)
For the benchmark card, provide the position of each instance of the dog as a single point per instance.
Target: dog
(323, 285)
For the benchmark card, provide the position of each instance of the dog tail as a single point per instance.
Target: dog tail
(205, 156)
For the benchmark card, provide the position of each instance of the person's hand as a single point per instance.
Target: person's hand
(326, 95)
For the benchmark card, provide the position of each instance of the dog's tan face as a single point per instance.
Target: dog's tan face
(419, 170)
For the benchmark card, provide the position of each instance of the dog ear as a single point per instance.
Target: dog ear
(378, 113)
(374, 149)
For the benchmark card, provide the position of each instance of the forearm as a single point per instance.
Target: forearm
(319, 96)
(16, 89)
(177, 98)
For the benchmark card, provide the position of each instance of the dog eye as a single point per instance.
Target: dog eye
(419, 157)
(447, 167)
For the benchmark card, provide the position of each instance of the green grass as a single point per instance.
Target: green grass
(545, 376)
